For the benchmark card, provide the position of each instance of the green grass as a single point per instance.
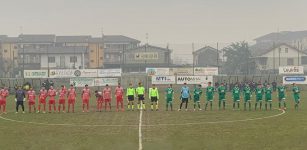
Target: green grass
(288, 131)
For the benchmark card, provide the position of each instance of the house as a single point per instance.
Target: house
(139, 58)
(270, 59)
(8, 55)
(296, 39)
(93, 44)
(115, 47)
(206, 57)
(54, 57)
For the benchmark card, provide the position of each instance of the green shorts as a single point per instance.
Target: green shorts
(169, 100)
(222, 98)
(236, 99)
(297, 99)
(196, 100)
(247, 99)
(268, 99)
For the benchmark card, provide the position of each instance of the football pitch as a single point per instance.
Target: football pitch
(157, 130)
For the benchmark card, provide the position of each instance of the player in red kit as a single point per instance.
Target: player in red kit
(99, 100)
(62, 95)
(52, 93)
(107, 96)
(86, 95)
(71, 96)
(119, 92)
(3, 94)
(43, 93)
(31, 99)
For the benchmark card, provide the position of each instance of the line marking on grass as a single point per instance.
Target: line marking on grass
(142, 125)
(140, 130)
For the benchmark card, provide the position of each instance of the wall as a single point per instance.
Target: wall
(57, 64)
(96, 55)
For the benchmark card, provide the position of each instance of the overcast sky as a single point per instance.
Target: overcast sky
(166, 21)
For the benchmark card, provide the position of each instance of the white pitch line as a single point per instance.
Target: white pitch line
(123, 125)
(140, 130)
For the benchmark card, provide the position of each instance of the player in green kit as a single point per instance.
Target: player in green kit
(169, 97)
(197, 93)
(259, 95)
(281, 95)
(140, 92)
(296, 95)
(222, 96)
(209, 93)
(268, 97)
(247, 96)
(236, 97)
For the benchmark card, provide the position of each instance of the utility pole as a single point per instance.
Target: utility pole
(218, 56)
(193, 52)
(298, 53)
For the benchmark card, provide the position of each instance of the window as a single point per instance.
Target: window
(101, 58)
(92, 60)
(5, 51)
(286, 50)
(101, 47)
(92, 51)
(73, 59)
(51, 59)
(304, 60)
(290, 61)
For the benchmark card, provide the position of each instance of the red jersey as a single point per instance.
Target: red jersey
(31, 95)
(43, 94)
(72, 93)
(86, 94)
(63, 92)
(119, 92)
(52, 93)
(3, 94)
(106, 93)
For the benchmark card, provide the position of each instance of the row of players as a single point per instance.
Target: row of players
(104, 97)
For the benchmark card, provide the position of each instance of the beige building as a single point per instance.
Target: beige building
(8, 55)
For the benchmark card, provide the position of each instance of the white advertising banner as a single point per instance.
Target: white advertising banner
(181, 71)
(291, 70)
(157, 71)
(295, 79)
(105, 81)
(109, 72)
(206, 71)
(69, 73)
(81, 82)
(35, 73)
(163, 79)
(203, 80)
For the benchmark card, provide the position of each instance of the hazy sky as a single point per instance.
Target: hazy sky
(166, 21)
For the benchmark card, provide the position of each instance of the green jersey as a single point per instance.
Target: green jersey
(247, 93)
(140, 90)
(296, 93)
(222, 92)
(130, 91)
(259, 93)
(169, 93)
(210, 93)
(236, 93)
(281, 92)
(268, 94)
(197, 92)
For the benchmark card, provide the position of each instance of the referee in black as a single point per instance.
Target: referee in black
(20, 97)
